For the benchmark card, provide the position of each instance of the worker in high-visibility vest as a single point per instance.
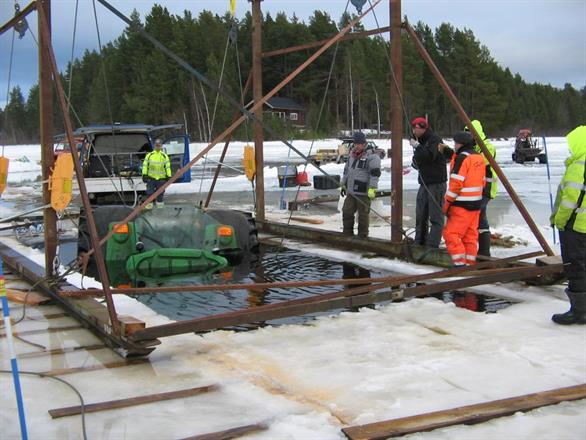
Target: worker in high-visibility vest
(156, 170)
(490, 190)
(463, 200)
(569, 216)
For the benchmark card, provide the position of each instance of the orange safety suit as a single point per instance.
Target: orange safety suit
(462, 205)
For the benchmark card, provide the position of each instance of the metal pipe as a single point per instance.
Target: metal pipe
(396, 123)
(50, 57)
(464, 117)
(352, 36)
(235, 124)
(20, 214)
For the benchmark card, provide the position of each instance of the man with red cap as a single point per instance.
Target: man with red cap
(431, 164)
(464, 200)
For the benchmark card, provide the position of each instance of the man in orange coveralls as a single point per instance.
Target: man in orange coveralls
(463, 199)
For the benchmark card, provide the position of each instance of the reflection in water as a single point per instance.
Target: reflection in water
(271, 265)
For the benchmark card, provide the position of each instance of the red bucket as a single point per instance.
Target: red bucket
(302, 179)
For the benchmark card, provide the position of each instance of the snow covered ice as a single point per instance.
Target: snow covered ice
(309, 381)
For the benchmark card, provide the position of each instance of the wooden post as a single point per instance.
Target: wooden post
(257, 95)
(396, 123)
(46, 133)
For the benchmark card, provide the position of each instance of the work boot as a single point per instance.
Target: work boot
(484, 243)
(160, 205)
(577, 312)
(149, 206)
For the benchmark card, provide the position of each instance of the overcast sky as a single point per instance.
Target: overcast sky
(542, 40)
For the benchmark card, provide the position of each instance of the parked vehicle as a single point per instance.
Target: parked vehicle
(527, 148)
(111, 157)
(348, 143)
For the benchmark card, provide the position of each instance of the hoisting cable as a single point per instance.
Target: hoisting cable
(103, 64)
(404, 108)
(71, 58)
(8, 88)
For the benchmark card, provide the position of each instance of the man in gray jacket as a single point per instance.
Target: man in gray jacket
(359, 185)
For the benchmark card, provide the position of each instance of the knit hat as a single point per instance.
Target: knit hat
(359, 137)
(464, 138)
(419, 123)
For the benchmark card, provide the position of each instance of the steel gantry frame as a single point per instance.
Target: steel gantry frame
(49, 67)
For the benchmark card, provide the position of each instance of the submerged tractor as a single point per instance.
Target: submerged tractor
(180, 241)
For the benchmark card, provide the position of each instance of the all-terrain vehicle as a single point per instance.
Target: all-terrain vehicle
(527, 148)
(160, 245)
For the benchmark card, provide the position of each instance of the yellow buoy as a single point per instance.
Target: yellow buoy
(248, 162)
(61, 182)
(3, 173)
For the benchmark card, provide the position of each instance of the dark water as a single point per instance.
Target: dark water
(271, 265)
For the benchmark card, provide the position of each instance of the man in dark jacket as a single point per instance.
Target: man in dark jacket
(431, 164)
(359, 185)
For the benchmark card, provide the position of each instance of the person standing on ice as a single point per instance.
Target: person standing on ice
(156, 170)
(463, 199)
(569, 216)
(431, 164)
(359, 184)
(489, 193)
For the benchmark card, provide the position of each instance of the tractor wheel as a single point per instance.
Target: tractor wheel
(542, 158)
(519, 158)
(514, 157)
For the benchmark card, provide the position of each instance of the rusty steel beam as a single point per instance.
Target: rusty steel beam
(46, 137)
(48, 49)
(237, 123)
(396, 92)
(352, 36)
(337, 300)
(228, 139)
(466, 119)
(257, 97)
(457, 271)
(20, 16)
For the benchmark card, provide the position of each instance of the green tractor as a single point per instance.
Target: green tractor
(164, 244)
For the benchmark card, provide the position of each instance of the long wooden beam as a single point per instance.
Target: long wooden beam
(20, 16)
(466, 120)
(462, 271)
(131, 401)
(331, 301)
(352, 36)
(469, 414)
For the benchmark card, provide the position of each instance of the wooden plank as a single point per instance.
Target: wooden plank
(314, 221)
(45, 330)
(469, 414)
(230, 433)
(58, 351)
(131, 401)
(31, 298)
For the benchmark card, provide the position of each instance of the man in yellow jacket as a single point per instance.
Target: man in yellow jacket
(156, 170)
(569, 217)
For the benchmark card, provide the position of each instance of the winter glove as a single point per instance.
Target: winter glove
(446, 207)
(145, 178)
(413, 142)
(371, 193)
(343, 191)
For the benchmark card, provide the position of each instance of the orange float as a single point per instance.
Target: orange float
(3, 173)
(248, 162)
(61, 182)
